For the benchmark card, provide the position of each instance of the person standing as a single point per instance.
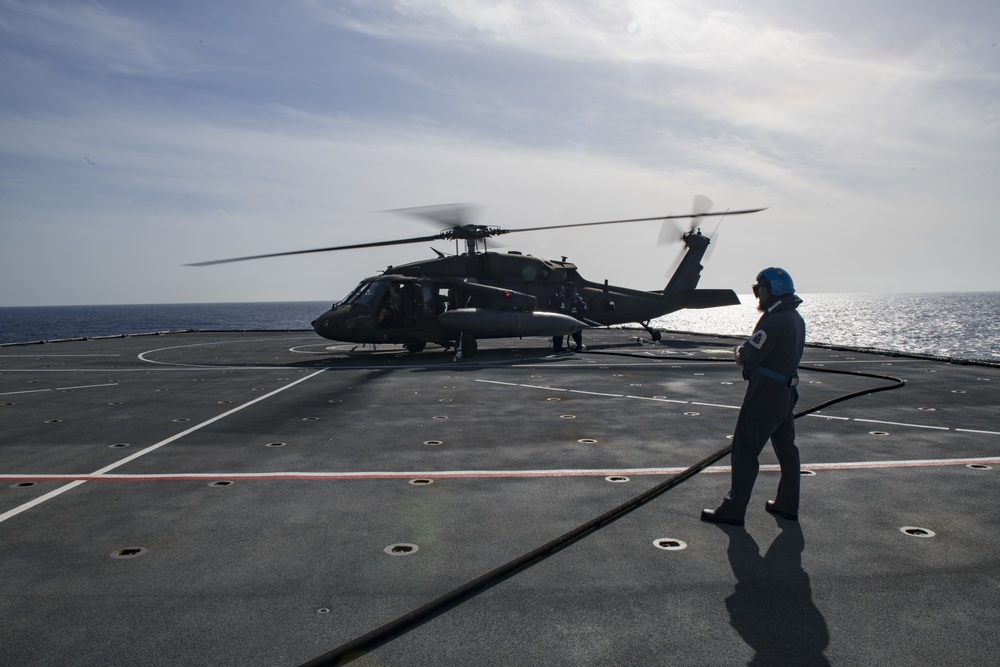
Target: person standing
(558, 303)
(578, 308)
(770, 360)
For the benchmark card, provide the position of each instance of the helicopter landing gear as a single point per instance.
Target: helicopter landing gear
(416, 346)
(466, 346)
(653, 333)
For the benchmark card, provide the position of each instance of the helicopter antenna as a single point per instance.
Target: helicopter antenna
(718, 224)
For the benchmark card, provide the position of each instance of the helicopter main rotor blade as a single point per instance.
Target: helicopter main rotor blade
(615, 222)
(375, 244)
(450, 215)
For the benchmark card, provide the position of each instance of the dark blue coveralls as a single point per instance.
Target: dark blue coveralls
(579, 309)
(558, 303)
(770, 359)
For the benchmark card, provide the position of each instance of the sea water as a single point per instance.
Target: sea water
(957, 326)
(27, 324)
(960, 326)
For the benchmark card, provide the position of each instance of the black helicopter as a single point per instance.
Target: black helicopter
(454, 300)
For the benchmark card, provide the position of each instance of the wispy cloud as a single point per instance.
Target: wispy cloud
(685, 73)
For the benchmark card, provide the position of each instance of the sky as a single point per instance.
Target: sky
(138, 137)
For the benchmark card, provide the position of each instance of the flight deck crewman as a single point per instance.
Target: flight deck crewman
(770, 360)
(578, 308)
(558, 303)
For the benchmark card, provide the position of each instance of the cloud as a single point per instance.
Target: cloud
(202, 131)
(684, 75)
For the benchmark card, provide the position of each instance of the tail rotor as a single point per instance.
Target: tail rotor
(672, 231)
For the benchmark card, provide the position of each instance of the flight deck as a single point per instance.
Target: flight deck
(264, 498)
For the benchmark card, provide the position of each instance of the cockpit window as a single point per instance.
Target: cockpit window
(355, 293)
(367, 294)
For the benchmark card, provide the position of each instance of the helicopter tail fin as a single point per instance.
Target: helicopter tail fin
(707, 298)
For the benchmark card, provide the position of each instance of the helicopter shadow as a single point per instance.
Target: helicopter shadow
(425, 362)
(434, 362)
(771, 606)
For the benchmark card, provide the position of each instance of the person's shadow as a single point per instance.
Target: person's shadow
(771, 606)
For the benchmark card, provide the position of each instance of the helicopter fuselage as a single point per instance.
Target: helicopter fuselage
(452, 300)
(499, 295)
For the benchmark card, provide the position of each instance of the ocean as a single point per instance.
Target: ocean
(948, 325)
(954, 326)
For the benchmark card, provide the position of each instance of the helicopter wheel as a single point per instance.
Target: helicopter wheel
(417, 346)
(465, 346)
(469, 346)
(653, 333)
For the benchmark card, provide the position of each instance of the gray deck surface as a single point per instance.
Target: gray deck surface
(117, 444)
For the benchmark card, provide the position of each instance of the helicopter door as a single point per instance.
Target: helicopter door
(428, 301)
(442, 300)
(402, 306)
(390, 312)
(412, 301)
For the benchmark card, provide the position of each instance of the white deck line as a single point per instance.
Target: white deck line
(474, 474)
(97, 474)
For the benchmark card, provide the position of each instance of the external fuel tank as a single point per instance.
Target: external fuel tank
(485, 323)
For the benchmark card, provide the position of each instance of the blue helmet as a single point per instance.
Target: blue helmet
(778, 281)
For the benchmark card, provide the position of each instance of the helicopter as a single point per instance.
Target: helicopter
(454, 300)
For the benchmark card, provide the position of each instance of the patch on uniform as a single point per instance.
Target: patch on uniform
(758, 338)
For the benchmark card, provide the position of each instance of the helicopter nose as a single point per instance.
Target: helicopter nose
(330, 324)
(322, 323)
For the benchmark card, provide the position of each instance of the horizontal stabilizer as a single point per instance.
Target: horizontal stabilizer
(708, 298)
